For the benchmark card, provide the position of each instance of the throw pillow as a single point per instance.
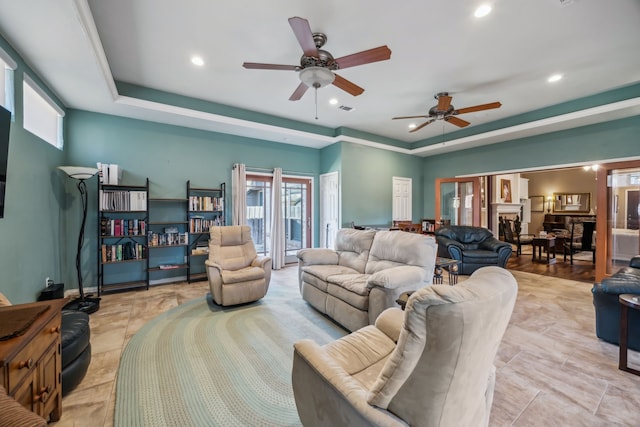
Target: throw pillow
(12, 414)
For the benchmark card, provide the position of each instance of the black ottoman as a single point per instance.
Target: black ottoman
(76, 348)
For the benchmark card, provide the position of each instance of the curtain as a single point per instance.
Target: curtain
(277, 222)
(239, 194)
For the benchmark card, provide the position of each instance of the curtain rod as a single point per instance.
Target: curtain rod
(285, 172)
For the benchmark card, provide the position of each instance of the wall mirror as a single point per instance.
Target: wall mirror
(572, 202)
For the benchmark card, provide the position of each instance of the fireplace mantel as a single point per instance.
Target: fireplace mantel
(498, 209)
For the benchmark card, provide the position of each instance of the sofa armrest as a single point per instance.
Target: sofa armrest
(493, 244)
(616, 286)
(635, 262)
(317, 256)
(401, 277)
(449, 248)
(263, 262)
(390, 322)
(319, 382)
(212, 264)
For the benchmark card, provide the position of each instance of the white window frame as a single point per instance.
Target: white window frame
(38, 108)
(7, 95)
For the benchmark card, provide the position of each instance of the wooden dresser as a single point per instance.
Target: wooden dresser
(30, 364)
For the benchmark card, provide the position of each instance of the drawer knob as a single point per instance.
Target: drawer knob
(55, 329)
(42, 397)
(26, 364)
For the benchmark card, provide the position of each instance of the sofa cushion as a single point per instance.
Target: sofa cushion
(317, 275)
(353, 248)
(242, 275)
(351, 289)
(480, 255)
(394, 248)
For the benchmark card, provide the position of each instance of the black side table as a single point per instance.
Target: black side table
(626, 301)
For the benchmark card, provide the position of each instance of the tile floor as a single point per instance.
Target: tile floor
(552, 370)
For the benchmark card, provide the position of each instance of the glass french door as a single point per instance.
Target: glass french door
(618, 197)
(296, 210)
(457, 201)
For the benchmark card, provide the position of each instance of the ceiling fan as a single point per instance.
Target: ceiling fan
(317, 66)
(445, 111)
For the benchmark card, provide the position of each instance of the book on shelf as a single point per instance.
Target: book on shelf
(122, 252)
(206, 203)
(109, 174)
(168, 266)
(123, 200)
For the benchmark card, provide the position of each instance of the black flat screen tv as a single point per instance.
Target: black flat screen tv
(5, 124)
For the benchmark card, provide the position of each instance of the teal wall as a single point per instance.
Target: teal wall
(611, 140)
(367, 183)
(33, 230)
(42, 213)
(169, 156)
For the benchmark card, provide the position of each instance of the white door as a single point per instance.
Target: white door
(329, 208)
(401, 199)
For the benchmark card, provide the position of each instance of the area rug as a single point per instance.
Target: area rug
(202, 365)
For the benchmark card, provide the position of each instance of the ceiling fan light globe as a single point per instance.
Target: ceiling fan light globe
(316, 77)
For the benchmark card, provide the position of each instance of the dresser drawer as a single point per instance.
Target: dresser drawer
(25, 361)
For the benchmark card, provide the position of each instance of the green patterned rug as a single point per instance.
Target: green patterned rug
(202, 365)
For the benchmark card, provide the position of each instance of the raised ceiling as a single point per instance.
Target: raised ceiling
(80, 49)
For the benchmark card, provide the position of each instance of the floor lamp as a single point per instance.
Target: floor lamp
(81, 174)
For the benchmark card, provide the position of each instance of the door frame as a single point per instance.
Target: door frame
(602, 213)
(476, 196)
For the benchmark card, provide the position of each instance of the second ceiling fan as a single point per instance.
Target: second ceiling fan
(317, 66)
(445, 111)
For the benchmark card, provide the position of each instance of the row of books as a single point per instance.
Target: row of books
(167, 239)
(109, 174)
(122, 227)
(123, 252)
(206, 203)
(117, 200)
(199, 224)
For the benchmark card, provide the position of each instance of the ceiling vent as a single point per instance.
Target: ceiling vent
(345, 108)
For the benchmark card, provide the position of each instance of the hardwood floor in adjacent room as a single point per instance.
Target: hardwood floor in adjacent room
(583, 271)
(551, 368)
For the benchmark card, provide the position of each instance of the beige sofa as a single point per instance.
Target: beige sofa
(430, 365)
(365, 274)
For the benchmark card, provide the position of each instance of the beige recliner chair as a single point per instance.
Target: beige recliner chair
(236, 274)
(431, 365)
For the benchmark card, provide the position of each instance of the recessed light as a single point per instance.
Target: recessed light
(197, 60)
(333, 101)
(482, 11)
(554, 78)
(412, 126)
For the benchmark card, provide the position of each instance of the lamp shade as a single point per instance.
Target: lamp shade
(78, 172)
(316, 76)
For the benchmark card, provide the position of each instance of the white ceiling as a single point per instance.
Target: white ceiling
(79, 48)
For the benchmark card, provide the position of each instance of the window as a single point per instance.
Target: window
(7, 65)
(42, 116)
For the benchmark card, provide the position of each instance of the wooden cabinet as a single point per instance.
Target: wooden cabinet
(30, 364)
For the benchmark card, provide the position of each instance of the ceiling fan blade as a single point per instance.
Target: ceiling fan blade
(457, 121)
(258, 66)
(417, 128)
(410, 117)
(297, 94)
(376, 54)
(488, 106)
(347, 86)
(443, 102)
(302, 30)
